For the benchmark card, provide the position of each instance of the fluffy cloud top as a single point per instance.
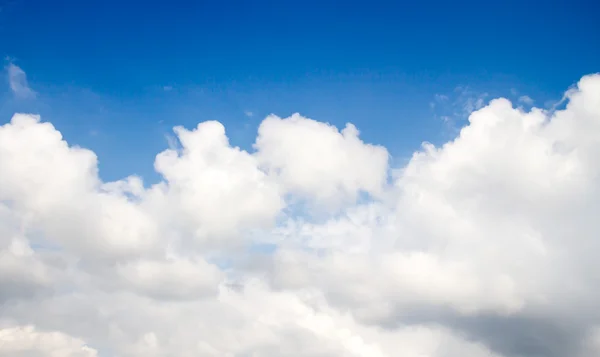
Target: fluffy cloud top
(316, 160)
(484, 246)
(215, 189)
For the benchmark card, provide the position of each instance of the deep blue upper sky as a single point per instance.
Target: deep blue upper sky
(115, 76)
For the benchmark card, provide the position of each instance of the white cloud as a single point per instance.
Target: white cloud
(212, 189)
(170, 279)
(484, 246)
(27, 342)
(316, 160)
(17, 80)
(248, 113)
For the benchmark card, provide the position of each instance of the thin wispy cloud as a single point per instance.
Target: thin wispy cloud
(17, 80)
(172, 142)
(454, 107)
(441, 97)
(248, 113)
(525, 99)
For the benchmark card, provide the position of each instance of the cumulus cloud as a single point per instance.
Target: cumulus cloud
(484, 246)
(215, 190)
(316, 160)
(17, 80)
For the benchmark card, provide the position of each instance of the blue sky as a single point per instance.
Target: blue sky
(116, 76)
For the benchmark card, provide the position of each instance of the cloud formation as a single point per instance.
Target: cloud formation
(485, 246)
(17, 80)
(525, 99)
(454, 108)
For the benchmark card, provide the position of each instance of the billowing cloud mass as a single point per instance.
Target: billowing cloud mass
(311, 244)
